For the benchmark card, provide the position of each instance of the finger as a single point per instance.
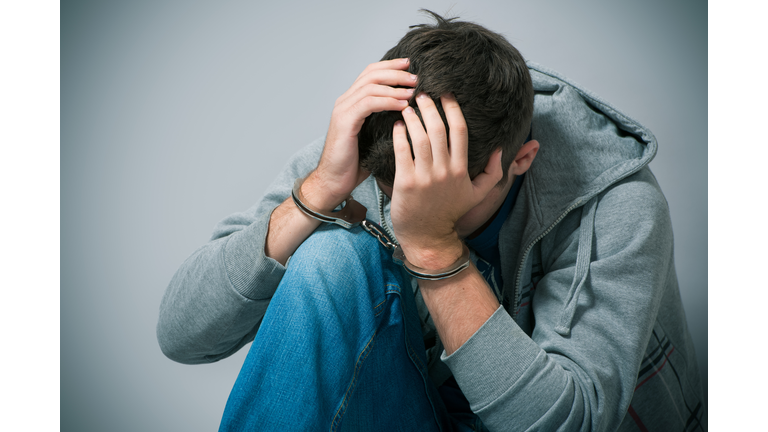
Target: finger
(388, 77)
(371, 104)
(419, 139)
(345, 102)
(379, 77)
(490, 177)
(349, 120)
(396, 64)
(379, 90)
(403, 158)
(458, 135)
(435, 129)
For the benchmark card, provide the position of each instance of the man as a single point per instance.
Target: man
(563, 312)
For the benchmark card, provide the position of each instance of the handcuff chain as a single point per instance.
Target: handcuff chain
(353, 213)
(377, 232)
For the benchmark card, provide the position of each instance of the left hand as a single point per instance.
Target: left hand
(432, 190)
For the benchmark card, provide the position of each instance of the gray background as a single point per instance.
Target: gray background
(175, 114)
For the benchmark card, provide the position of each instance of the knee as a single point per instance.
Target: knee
(333, 247)
(337, 267)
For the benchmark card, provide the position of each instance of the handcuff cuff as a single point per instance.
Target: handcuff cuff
(353, 214)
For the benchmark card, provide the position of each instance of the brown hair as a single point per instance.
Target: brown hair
(486, 74)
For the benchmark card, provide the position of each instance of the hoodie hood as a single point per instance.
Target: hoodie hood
(585, 146)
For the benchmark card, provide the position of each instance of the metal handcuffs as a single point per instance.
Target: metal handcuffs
(353, 214)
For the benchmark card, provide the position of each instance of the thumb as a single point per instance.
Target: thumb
(490, 176)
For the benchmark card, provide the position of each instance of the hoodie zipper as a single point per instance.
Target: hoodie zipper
(528, 250)
(384, 223)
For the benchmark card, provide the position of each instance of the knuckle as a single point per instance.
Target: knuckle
(368, 88)
(460, 129)
(420, 182)
(364, 104)
(441, 175)
(458, 172)
(371, 75)
(364, 101)
(406, 183)
(422, 142)
(439, 134)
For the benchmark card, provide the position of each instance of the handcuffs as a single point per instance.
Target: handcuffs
(353, 214)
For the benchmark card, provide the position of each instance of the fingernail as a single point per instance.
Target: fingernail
(399, 123)
(422, 95)
(413, 77)
(408, 110)
(406, 61)
(409, 91)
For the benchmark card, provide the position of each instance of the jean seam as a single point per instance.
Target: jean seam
(378, 309)
(423, 371)
(358, 365)
(378, 306)
(414, 356)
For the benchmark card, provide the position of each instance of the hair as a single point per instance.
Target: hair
(486, 74)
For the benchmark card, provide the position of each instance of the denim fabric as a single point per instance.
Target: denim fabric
(340, 348)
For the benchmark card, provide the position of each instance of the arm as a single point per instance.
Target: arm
(338, 171)
(583, 381)
(217, 298)
(432, 191)
(586, 380)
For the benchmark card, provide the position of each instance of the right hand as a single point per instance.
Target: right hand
(339, 172)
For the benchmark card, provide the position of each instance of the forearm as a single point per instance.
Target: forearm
(459, 306)
(289, 226)
(510, 380)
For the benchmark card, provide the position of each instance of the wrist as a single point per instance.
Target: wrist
(318, 194)
(433, 254)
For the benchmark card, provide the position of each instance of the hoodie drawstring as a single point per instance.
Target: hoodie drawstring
(583, 259)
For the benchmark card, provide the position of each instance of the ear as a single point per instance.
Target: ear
(524, 157)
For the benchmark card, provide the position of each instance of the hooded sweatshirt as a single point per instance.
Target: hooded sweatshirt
(590, 334)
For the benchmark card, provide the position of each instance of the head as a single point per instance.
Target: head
(486, 74)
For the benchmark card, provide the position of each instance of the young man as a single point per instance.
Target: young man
(563, 313)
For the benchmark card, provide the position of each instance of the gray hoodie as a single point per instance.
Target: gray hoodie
(591, 334)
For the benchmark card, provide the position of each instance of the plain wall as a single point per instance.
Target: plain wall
(175, 114)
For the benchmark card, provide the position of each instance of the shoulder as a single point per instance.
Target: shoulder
(634, 201)
(630, 215)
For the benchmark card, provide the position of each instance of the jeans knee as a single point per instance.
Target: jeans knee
(333, 247)
(334, 262)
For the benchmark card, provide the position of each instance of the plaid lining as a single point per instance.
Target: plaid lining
(659, 362)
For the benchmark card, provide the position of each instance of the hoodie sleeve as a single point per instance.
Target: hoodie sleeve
(581, 377)
(217, 298)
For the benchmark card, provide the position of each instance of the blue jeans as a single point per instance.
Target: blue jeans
(340, 348)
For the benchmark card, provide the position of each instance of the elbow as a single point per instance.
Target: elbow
(187, 347)
(173, 351)
(172, 344)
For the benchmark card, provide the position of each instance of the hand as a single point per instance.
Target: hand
(432, 190)
(338, 171)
